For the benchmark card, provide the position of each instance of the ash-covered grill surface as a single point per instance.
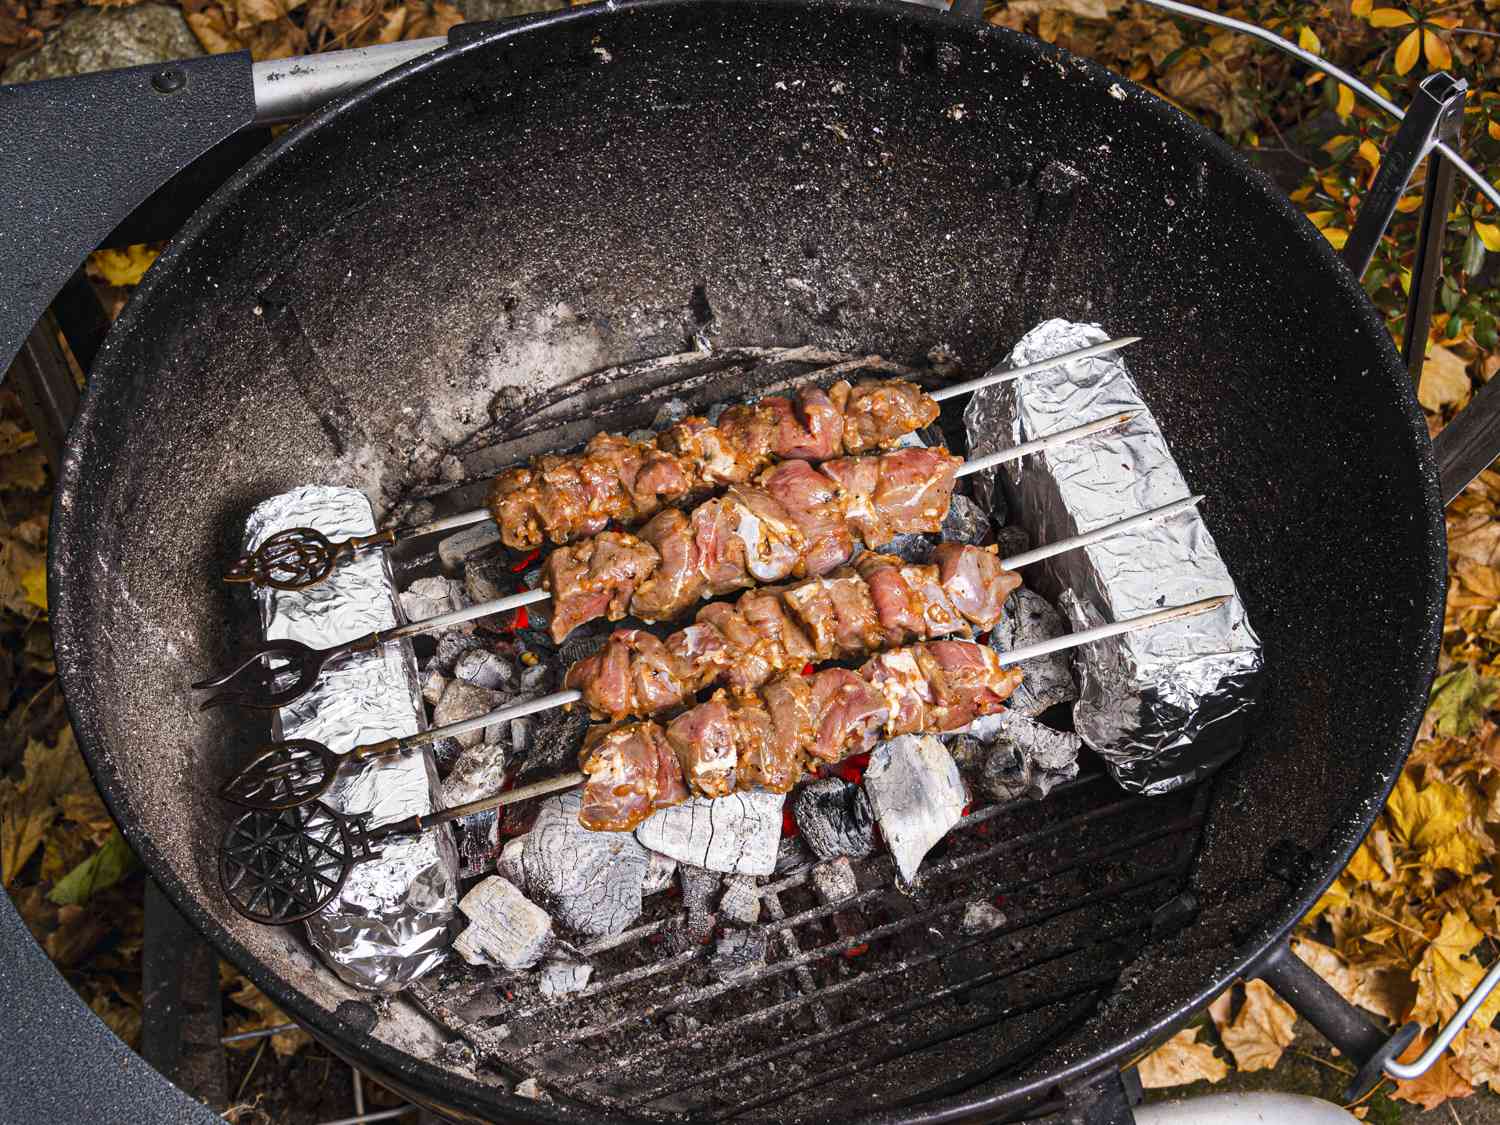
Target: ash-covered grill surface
(1021, 923)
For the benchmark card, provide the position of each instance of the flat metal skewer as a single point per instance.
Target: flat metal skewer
(286, 774)
(299, 557)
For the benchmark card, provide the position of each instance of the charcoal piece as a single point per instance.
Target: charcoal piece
(1027, 757)
(1027, 618)
(1006, 774)
(505, 927)
(917, 796)
(969, 752)
(739, 951)
(477, 772)
(737, 833)
(563, 975)
(699, 886)
(1012, 539)
(486, 669)
(966, 522)
(456, 550)
(434, 683)
(510, 865)
(834, 881)
(834, 818)
(671, 412)
(519, 732)
(911, 546)
(452, 644)
(740, 901)
(478, 839)
(590, 881)
(461, 701)
(532, 1089)
(536, 676)
(793, 856)
(429, 597)
(659, 871)
(981, 917)
(556, 738)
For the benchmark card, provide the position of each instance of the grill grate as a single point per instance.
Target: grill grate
(904, 1006)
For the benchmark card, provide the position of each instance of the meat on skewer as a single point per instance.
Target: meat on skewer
(795, 723)
(561, 498)
(796, 520)
(881, 603)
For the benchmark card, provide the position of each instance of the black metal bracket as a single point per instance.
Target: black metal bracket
(1358, 1038)
(78, 155)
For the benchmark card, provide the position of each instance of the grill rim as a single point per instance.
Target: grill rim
(425, 1081)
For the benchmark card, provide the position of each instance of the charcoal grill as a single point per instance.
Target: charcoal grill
(546, 198)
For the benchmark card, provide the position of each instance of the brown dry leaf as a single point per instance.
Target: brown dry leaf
(267, 1014)
(1445, 380)
(23, 471)
(23, 576)
(13, 439)
(1327, 963)
(1483, 580)
(1436, 1086)
(1180, 1060)
(1261, 1031)
(211, 26)
(1477, 1057)
(1088, 9)
(28, 808)
(79, 931)
(1475, 537)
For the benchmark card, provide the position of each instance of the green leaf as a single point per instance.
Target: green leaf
(1459, 701)
(1448, 295)
(1485, 334)
(106, 867)
(1473, 254)
(1455, 327)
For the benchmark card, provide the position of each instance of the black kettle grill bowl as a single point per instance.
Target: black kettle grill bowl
(584, 189)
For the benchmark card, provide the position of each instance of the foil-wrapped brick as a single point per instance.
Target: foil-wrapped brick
(1164, 706)
(389, 923)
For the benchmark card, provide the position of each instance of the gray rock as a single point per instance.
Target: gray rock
(737, 833)
(966, 522)
(91, 39)
(591, 881)
(486, 669)
(461, 701)
(834, 818)
(457, 549)
(1026, 618)
(563, 975)
(980, 917)
(740, 901)
(834, 881)
(739, 951)
(505, 927)
(917, 795)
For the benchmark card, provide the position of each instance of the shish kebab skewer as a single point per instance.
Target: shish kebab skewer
(685, 461)
(279, 867)
(603, 575)
(295, 772)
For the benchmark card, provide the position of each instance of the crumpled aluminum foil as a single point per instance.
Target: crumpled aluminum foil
(1164, 706)
(389, 923)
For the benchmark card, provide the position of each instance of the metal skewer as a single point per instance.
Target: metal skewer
(286, 774)
(299, 557)
(281, 866)
(307, 662)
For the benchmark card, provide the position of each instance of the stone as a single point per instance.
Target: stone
(734, 834)
(563, 975)
(1026, 618)
(981, 917)
(917, 796)
(92, 39)
(834, 881)
(591, 881)
(506, 928)
(455, 551)
(486, 669)
(659, 872)
(966, 522)
(461, 701)
(834, 818)
(740, 901)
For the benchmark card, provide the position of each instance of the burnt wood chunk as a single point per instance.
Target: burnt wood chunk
(1027, 758)
(736, 834)
(1027, 618)
(740, 901)
(917, 796)
(505, 927)
(835, 818)
(590, 881)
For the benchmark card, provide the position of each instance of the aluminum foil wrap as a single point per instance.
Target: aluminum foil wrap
(1164, 706)
(389, 923)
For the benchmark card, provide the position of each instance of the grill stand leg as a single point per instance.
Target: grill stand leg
(183, 1017)
(1106, 1098)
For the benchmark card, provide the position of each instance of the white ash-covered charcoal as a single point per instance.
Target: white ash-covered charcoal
(487, 579)
(532, 1089)
(1027, 618)
(834, 818)
(563, 974)
(1050, 756)
(917, 796)
(478, 839)
(699, 889)
(834, 881)
(450, 647)
(740, 901)
(659, 871)
(477, 772)
(793, 856)
(511, 864)
(505, 927)
(966, 522)
(968, 752)
(1006, 773)
(486, 669)
(429, 597)
(591, 881)
(982, 916)
(461, 701)
(737, 833)
(455, 551)
(434, 683)
(739, 951)
(537, 676)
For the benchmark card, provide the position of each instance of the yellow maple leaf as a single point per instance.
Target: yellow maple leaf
(1436, 1086)
(1364, 866)
(28, 808)
(1307, 39)
(1489, 234)
(1336, 235)
(123, 267)
(1446, 974)
(1493, 128)
(1261, 1030)
(1180, 1060)
(1361, 8)
(1369, 153)
(1345, 104)
(1440, 821)
(1477, 1057)
(1406, 54)
(1445, 379)
(1390, 17)
(1408, 203)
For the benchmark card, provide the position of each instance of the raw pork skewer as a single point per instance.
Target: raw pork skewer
(562, 498)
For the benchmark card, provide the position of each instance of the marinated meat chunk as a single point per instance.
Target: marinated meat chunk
(914, 490)
(794, 725)
(808, 426)
(703, 740)
(812, 501)
(784, 644)
(702, 655)
(633, 674)
(623, 768)
(761, 758)
(858, 479)
(878, 411)
(752, 659)
(975, 581)
(744, 538)
(968, 681)
(856, 626)
(512, 504)
(748, 429)
(897, 607)
(908, 695)
(811, 606)
(714, 460)
(604, 680)
(940, 616)
(849, 713)
(670, 788)
(677, 581)
(595, 578)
